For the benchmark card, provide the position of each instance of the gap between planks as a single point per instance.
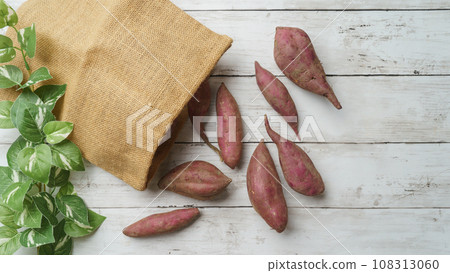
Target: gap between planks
(338, 75)
(290, 207)
(339, 10)
(324, 143)
(311, 142)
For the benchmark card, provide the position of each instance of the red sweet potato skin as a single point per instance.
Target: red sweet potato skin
(162, 223)
(264, 189)
(296, 57)
(229, 127)
(276, 95)
(197, 179)
(199, 106)
(298, 169)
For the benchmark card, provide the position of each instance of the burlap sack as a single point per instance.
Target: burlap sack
(134, 61)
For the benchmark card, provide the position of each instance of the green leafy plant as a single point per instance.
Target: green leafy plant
(38, 204)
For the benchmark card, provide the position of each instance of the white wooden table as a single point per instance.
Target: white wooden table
(386, 159)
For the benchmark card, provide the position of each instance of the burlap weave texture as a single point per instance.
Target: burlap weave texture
(117, 58)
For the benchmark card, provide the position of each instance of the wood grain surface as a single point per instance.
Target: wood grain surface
(384, 157)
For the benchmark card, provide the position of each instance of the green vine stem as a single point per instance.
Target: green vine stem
(40, 186)
(27, 66)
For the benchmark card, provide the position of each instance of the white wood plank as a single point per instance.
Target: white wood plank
(357, 42)
(8, 135)
(295, 4)
(310, 4)
(242, 231)
(356, 176)
(375, 109)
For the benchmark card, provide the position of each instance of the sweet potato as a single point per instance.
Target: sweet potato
(199, 103)
(296, 57)
(162, 223)
(199, 106)
(264, 189)
(229, 127)
(298, 169)
(276, 95)
(197, 179)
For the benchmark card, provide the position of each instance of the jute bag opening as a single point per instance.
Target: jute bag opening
(130, 67)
